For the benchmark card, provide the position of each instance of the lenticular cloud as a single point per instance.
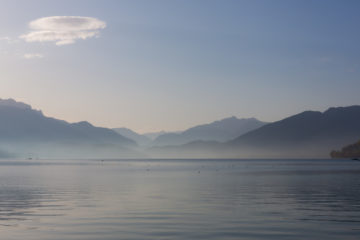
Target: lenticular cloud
(63, 29)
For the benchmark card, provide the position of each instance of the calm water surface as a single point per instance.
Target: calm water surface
(179, 199)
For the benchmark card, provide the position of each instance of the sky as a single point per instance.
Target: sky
(169, 65)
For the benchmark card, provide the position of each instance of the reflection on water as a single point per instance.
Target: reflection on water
(180, 199)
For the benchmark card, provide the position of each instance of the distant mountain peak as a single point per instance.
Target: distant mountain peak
(232, 117)
(83, 124)
(12, 103)
(340, 109)
(220, 130)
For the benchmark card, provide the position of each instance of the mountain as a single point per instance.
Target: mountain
(221, 131)
(105, 135)
(308, 134)
(138, 138)
(154, 135)
(24, 130)
(350, 151)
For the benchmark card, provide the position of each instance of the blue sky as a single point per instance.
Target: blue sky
(174, 64)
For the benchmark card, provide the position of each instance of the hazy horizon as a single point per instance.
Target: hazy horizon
(169, 65)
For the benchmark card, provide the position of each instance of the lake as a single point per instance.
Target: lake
(179, 199)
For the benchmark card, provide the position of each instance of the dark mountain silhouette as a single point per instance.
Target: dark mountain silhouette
(223, 130)
(138, 138)
(25, 129)
(350, 151)
(308, 134)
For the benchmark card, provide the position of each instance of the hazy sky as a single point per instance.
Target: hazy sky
(152, 65)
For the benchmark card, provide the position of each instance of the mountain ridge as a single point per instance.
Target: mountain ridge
(309, 134)
(23, 129)
(140, 139)
(306, 134)
(220, 130)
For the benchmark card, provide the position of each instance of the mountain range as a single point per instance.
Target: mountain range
(305, 135)
(308, 134)
(25, 131)
(153, 135)
(141, 140)
(220, 131)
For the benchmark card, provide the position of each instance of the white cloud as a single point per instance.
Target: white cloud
(33, 55)
(63, 29)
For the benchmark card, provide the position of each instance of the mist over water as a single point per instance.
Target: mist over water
(180, 199)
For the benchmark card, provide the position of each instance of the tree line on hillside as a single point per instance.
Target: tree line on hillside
(350, 151)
